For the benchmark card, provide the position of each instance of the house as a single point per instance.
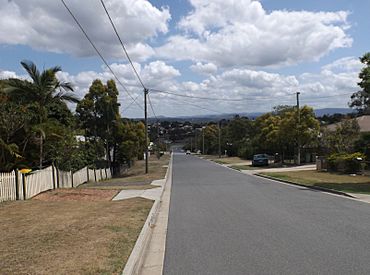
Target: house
(363, 122)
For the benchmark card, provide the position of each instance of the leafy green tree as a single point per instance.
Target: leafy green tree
(361, 99)
(97, 113)
(269, 138)
(43, 90)
(45, 97)
(342, 139)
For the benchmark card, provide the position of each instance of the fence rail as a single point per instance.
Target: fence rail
(17, 186)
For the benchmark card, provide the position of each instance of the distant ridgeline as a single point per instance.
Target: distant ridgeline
(254, 115)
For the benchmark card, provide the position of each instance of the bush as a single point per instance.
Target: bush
(349, 163)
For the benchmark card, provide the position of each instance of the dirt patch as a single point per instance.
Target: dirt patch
(77, 195)
(69, 237)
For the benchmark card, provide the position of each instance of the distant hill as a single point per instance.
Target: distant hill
(252, 115)
(332, 111)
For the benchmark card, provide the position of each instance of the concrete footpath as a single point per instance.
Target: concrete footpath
(154, 257)
(147, 256)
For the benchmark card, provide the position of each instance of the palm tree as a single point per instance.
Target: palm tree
(43, 89)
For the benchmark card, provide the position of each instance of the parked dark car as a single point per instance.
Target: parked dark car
(260, 160)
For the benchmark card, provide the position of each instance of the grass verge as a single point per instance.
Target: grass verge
(136, 176)
(339, 182)
(245, 167)
(223, 160)
(69, 237)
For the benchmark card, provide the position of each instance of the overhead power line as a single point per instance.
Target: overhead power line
(123, 46)
(151, 107)
(131, 104)
(216, 98)
(99, 53)
(238, 99)
(195, 105)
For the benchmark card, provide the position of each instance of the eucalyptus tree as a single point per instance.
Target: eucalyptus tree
(361, 99)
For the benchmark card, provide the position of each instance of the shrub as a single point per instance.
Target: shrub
(349, 163)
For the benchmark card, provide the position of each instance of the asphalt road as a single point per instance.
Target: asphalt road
(225, 222)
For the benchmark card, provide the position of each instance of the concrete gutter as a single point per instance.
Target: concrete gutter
(306, 186)
(137, 256)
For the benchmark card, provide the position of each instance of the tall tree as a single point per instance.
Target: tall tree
(98, 114)
(361, 99)
(43, 90)
(39, 95)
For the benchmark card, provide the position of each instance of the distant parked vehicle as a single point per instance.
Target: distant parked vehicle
(188, 152)
(260, 160)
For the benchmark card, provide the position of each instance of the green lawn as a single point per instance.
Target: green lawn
(224, 160)
(339, 182)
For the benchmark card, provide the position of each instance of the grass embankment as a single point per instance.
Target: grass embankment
(136, 177)
(69, 233)
(339, 182)
(247, 167)
(225, 160)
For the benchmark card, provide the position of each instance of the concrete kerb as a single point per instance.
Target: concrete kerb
(323, 189)
(135, 261)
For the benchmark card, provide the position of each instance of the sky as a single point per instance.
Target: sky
(241, 55)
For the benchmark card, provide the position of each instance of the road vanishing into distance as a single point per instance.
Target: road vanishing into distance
(225, 222)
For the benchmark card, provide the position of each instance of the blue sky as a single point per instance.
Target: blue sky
(263, 51)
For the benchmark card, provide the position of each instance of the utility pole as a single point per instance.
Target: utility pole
(146, 129)
(219, 139)
(298, 126)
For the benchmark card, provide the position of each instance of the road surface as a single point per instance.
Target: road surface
(225, 222)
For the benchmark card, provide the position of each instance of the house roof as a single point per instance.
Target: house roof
(363, 122)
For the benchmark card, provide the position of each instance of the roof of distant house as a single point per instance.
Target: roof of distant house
(363, 122)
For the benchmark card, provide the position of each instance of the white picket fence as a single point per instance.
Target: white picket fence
(13, 185)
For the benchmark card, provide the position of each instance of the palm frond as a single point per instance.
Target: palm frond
(70, 98)
(67, 86)
(32, 70)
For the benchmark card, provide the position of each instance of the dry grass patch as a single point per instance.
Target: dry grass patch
(225, 160)
(77, 195)
(69, 237)
(340, 182)
(136, 175)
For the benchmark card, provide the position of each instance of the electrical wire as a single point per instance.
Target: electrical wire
(100, 55)
(123, 46)
(151, 107)
(230, 99)
(129, 106)
(196, 105)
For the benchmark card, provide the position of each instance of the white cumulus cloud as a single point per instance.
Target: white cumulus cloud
(242, 33)
(46, 25)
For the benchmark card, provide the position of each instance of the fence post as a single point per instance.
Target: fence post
(57, 176)
(106, 175)
(16, 184)
(72, 179)
(53, 171)
(24, 186)
(87, 172)
(95, 174)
